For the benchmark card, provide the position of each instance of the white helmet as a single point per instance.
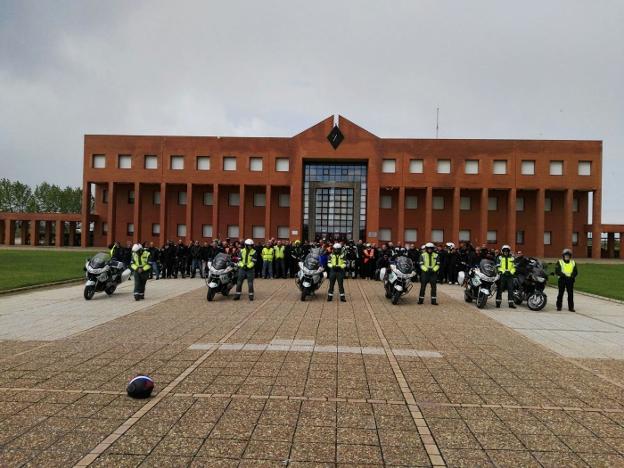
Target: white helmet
(249, 242)
(566, 252)
(429, 245)
(422, 247)
(337, 245)
(505, 247)
(450, 245)
(136, 247)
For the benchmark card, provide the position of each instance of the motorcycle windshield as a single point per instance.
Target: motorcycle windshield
(312, 262)
(221, 261)
(404, 265)
(99, 260)
(487, 267)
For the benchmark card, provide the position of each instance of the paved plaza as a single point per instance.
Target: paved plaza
(280, 382)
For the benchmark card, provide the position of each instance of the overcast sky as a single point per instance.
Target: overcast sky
(530, 69)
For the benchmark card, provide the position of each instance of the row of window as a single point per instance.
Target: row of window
(465, 203)
(258, 232)
(202, 163)
(437, 235)
(471, 167)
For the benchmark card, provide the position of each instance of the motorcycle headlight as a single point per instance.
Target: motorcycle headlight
(103, 277)
(540, 279)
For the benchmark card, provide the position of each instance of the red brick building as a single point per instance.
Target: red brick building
(531, 194)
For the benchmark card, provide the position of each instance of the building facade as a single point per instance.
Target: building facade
(336, 179)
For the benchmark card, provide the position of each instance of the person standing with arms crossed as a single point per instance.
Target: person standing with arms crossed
(246, 266)
(337, 265)
(506, 266)
(429, 266)
(140, 265)
(567, 272)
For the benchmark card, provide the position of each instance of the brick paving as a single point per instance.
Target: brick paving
(491, 397)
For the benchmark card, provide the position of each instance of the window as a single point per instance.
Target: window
(181, 230)
(124, 161)
(229, 163)
(104, 195)
(255, 164)
(234, 199)
(98, 161)
(584, 168)
(282, 232)
(104, 228)
(203, 163)
(177, 163)
(438, 203)
(282, 165)
(232, 231)
(575, 238)
(182, 198)
(206, 230)
(130, 229)
(385, 235)
(520, 204)
(464, 203)
(556, 167)
(155, 229)
(416, 166)
(411, 202)
(208, 198)
(283, 200)
(444, 166)
(464, 235)
(472, 166)
(151, 161)
(156, 198)
(547, 204)
(491, 237)
(437, 235)
(499, 167)
(527, 168)
(492, 203)
(259, 199)
(257, 232)
(547, 237)
(575, 205)
(130, 197)
(520, 237)
(386, 201)
(411, 235)
(388, 166)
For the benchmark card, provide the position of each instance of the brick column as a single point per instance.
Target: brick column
(455, 216)
(267, 213)
(511, 218)
(483, 216)
(33, 231)
(72, 233)
(59, 233)
(215, 211)
(136, 213)
(296, 203)
(111, 213)
(621, 245)
(610, 244)
(401, 224)
(428, 215)
(540, 198)
(47, 237)
(9, 232)
(241, 212)
(596, 223)
(85, 214)
(568, 196)
(189, 212)
(162, 220)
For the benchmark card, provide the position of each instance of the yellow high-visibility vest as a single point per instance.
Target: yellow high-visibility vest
(279, 252)
(567, 268)
(336, 261)
(429, 261)
(246, 258)
(267, 254)
(506, 264)
(140, 261)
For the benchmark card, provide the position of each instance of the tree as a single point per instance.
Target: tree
(47, 198)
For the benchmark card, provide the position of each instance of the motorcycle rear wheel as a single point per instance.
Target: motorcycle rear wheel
(89, 292)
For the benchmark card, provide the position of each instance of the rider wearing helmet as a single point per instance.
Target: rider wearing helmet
(246, 266)
(506, 266)
(567, 272)
(429, 266)
(140, 266)
(336, 264)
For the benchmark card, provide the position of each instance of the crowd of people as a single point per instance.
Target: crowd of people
(274, 258)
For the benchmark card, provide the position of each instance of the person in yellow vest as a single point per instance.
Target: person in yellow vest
(246, 267)
(506, 266)
(140, 265)
(567, 272)
(280, 265)
(429, 266)
(268, 253)
(336, 265)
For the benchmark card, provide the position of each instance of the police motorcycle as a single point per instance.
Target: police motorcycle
(398, 278)
(221, 276)
(481, 283)
(310, 275)
(103, 274)
(530, 284)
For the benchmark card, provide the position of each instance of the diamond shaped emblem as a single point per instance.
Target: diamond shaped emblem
(335, 137)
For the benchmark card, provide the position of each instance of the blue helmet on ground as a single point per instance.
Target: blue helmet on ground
(140, 387)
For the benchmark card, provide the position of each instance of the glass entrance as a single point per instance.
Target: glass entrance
(334, 210)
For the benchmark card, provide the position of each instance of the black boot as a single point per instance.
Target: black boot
(251, 297)
(512, 305)
(343, 299)
(329, 297)
(237, 297)
(421, 300)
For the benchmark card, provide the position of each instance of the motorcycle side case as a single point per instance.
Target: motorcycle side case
(125, 275)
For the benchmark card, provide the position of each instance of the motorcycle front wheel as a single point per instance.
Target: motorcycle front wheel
(89, 292)
(482, 301)
(388, 291)
(537, 301)
(304, 293)
(211, 294)
(395, 297)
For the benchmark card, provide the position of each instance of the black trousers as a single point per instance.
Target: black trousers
(428, 277)
(139, 282)
(566, 285)
(505, 282)
(336, 274)
(242, 276)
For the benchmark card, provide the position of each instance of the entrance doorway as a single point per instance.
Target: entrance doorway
(333, 208)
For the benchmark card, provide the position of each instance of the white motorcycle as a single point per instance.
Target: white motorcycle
(310, 275)
(221, 276)
(398, 281)
(481, 283)
(103, 274)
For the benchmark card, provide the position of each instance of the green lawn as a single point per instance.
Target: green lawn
(601, 279)
(20, 268)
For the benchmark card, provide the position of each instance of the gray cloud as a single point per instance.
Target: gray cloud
(497, 70)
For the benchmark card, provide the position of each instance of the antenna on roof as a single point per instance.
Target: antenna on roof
(335, 120)
(437, 121)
